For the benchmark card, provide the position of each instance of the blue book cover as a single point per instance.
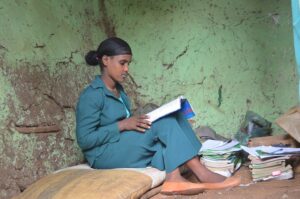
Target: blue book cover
(178, 104)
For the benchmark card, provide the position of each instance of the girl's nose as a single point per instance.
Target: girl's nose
(126, 68)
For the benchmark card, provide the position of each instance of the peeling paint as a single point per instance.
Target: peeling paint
(42, 71)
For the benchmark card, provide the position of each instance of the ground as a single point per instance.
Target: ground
(283, 189)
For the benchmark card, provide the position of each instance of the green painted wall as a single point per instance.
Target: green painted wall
(42, 70)
(227, 57)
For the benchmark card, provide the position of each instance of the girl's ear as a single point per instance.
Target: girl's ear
(105, 60)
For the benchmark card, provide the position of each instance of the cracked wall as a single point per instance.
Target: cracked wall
(227, 57)
(42, 71)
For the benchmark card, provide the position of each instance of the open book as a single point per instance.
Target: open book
(180, 103)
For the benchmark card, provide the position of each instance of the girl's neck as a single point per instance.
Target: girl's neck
(109, 83)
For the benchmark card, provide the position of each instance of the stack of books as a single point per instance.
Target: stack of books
(221, 157)
(273, 168)
(270, 163)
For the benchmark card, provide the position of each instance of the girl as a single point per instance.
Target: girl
(111, 137)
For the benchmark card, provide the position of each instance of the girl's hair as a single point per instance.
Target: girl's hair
(110, 47)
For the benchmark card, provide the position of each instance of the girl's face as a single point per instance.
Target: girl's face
(116, 67)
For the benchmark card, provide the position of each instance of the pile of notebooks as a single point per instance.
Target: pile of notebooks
(273, 168)
(221, 157)
(270, 163)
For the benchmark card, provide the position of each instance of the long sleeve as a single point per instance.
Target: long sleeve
(90, 132)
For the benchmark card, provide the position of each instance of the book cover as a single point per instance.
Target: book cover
(269, 172)
(283, 176)
(180, 103)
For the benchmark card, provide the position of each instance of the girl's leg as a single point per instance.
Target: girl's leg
(175, 176)
(178, 139)
(203, 174)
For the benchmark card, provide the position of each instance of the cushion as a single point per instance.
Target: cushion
(82, 181)
(88, 183)
(156, 175)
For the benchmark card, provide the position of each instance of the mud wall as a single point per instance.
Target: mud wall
(227, 57)
(42, 70)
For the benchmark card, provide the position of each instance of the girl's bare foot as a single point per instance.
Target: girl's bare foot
(175, 176)
(202, 173)
(210, 176)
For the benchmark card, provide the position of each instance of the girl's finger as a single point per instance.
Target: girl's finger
(144, 121)
(140, 129)
(144, 117)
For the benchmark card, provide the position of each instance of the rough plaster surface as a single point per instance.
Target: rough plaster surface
(227, 57)
(41, 73)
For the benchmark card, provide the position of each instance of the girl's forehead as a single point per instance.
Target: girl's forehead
(123, 57)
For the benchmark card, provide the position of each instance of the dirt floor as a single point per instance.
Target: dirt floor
(283, 189)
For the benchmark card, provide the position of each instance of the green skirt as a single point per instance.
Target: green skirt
(169, 143)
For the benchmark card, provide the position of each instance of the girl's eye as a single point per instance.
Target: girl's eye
(123, 63)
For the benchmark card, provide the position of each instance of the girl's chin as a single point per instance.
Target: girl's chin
(122, 79)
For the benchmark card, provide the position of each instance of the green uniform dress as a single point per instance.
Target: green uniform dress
(169, 142)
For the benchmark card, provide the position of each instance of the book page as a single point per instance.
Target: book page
(165, 109)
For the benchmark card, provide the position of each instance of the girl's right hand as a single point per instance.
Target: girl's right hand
(137, 123)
